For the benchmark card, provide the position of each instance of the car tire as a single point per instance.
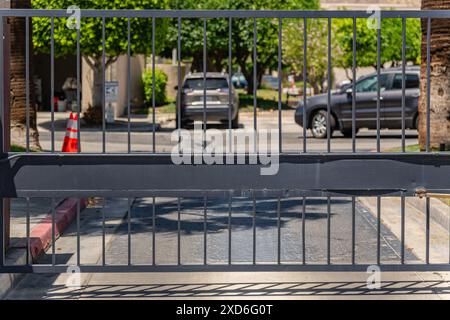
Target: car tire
(416, 122)
(319, 124)
(183, 123)
(235, 122)
(348, 132)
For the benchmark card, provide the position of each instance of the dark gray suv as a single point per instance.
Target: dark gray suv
(366, 104)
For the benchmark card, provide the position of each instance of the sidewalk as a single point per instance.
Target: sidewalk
(40, 231)
(415, 224)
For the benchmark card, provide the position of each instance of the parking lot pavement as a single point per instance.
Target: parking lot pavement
(192, 232)
(141, 134)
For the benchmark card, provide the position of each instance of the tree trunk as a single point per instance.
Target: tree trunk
(94, 113)
(18, 80)
(439, 79)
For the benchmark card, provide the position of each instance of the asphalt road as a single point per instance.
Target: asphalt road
(192, 229)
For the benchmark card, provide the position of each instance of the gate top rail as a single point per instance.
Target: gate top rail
(92, 13)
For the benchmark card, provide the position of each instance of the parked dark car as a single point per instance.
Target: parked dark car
(366, 104)
(216, 100)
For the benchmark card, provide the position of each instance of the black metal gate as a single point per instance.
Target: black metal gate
(153, 174)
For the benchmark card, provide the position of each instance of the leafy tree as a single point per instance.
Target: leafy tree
(91, 34)
(317, 50)
(242, 35)
(366, 42)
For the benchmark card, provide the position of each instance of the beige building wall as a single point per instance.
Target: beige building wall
(117, 72)
(364, 4)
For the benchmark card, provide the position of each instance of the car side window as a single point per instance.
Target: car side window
(412, 81)
(370, 84)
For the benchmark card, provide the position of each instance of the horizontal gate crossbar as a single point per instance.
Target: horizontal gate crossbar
(139, 175)
(40, 268)
(89, 13)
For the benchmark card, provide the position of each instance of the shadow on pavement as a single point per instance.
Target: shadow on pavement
(253, 289)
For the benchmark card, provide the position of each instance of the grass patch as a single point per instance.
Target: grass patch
(16, 148)
(266, 100)
(411, 148)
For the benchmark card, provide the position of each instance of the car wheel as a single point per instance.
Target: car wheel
(235, 122)
(416, 122)
(319, 124)
(348, 133)
(183, 123)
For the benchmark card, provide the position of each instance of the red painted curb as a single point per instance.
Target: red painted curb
(41, 235)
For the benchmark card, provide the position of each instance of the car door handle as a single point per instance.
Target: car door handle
(376, 99)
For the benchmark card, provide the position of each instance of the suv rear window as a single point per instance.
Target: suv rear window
(211, 84)
(412, 81)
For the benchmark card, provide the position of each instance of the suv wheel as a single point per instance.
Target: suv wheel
(319, 124)
(348, 132)
(235, 122)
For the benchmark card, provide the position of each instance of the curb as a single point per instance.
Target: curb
(41, 235)
(40, 240)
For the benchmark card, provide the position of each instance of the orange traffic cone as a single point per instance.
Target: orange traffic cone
(71, 139)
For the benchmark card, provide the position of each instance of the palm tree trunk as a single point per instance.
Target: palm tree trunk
(439, 79)
(18, 78)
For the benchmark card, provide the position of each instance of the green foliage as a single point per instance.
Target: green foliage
(242, 34)
(91, 28)
(317, 50)
(366, 42)
(160, 87)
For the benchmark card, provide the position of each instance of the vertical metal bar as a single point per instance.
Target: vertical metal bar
(303, 231)
(179, 79)
(428, 85)
(280, 122)
(254, 228)
(103, 233)
(78, 91)
(129, 82)
(52, 81)
(378, 230)
(28, 256)
(2, 125)
(205, 230)
(353, 230)
(104, 86)
(402, 253)
(427, 225)
(27, 81)
(179, 232)
(129, 231)
(328, 230)
(329, 89)
(255, 84)
(230, 74)
(378, 85)
(354, 89)
(229, 227)
(403, 80)
(305, 75)
(279, 230)
(78, 233)
(53, 233)
(153, 232)
(153, 87)
(204, 83)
